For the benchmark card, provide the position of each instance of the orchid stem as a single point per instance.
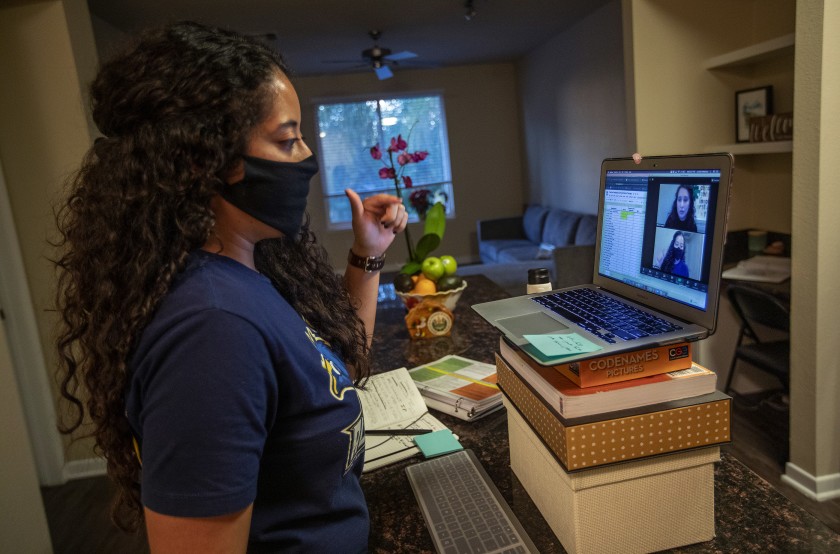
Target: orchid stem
(406, 232)
(399, 195)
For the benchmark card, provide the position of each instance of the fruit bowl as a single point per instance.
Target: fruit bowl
(449, 298)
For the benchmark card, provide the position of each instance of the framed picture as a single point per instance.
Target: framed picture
(749, 103)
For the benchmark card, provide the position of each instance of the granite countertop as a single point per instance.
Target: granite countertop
(749, 514)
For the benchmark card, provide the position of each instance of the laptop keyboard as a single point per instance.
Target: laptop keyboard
(604, 316)
(464, 511)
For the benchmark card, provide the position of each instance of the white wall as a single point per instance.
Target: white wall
(43, 134)
(23, 525)
(681, 108)
(574, 112)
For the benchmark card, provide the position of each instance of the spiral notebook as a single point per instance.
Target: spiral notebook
(459, 386)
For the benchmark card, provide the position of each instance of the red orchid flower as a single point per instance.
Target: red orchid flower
(419, 156)
(375, 152)
(419, 200)
(404, 158)
(387, 173)
(397, 144)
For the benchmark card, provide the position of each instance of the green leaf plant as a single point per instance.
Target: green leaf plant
(434, 226)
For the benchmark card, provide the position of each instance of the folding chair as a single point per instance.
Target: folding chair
(755, 306)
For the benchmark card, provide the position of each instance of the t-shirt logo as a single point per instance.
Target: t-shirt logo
(335, 375)
(356, 431)
(339, 379)
(339, 385)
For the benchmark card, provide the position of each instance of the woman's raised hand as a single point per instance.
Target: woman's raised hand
(376, 221)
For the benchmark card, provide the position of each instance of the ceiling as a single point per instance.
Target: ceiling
(312, 32)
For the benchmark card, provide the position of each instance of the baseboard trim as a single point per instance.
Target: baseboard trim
(822, 488)
(81, 469)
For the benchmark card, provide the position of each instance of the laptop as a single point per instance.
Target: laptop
(658, 256)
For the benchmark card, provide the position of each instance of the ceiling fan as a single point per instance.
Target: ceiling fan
(378, 58)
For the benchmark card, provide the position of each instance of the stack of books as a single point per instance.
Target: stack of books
(632, 434)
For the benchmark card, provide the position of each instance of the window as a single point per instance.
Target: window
(348, 129)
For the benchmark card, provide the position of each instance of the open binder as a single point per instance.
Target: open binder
(390, 401)
(459, 387)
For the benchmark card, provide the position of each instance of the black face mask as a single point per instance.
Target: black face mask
(274, 192)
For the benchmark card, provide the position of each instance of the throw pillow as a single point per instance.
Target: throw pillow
(544, 253)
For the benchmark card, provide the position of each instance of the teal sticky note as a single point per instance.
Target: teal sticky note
(437, 443)
(566, 344)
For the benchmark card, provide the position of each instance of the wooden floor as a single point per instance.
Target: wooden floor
(760, 430)
(78, 519)
(77, 514)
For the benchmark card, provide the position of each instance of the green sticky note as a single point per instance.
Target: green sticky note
(554, 346)
(437, 443)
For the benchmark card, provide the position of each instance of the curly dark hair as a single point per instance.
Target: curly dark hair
(673, 221)
(671, 257)
(295, 267)
(177, 108)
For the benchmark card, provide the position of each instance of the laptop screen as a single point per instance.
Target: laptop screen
(656, 231)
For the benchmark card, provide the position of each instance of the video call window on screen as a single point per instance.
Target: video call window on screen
(656, 231)
(680, 234)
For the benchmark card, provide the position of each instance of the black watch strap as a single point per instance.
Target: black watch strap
(369, 264)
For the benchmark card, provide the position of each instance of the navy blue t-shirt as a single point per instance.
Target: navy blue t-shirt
(235, 400)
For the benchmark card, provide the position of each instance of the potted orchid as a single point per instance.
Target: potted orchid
(428, 206)
(426, 284)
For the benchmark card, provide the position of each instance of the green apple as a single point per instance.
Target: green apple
(449, 264)
(432, 268)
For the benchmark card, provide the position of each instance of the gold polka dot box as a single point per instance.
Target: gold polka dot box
(617, 437)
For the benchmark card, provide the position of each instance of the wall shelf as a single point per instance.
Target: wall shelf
(748, 148)
(773, 48)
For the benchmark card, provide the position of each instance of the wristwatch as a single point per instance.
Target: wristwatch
(369, 264)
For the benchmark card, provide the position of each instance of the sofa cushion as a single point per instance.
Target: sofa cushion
(518, 254)
(560, 227)
(489, 250)
(586, 230)
(532, 222)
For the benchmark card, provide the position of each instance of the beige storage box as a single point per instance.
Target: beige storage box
(645, 505)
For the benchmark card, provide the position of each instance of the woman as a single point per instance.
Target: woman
(204, 332)
(682, 211)
(674, 260)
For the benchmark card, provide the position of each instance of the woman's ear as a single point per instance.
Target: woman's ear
(237, 172)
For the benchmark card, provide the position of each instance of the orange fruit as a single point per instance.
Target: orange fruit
(415, 277)
(424, 286)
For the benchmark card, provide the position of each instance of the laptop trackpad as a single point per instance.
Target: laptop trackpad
(536, 323)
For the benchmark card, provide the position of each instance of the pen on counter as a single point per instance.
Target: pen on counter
(386, 432)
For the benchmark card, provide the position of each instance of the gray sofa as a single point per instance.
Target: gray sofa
(556, 239)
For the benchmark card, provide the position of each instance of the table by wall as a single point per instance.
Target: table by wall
(749, 513)
(716, 351)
